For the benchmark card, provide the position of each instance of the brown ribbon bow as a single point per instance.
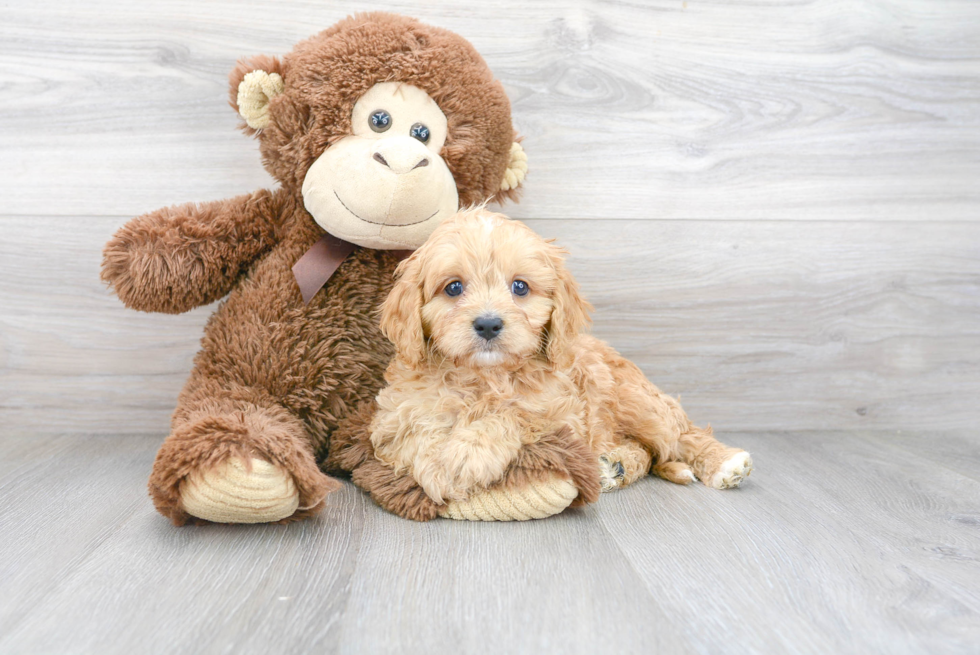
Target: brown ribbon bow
(321, 261)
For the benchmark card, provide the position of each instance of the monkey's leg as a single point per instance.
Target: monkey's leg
(235, 455)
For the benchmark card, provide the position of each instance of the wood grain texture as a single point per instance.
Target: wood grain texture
(662, 109)
(880, 555)
(757, 325)
(840, 542)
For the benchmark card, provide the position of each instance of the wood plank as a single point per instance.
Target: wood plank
(959, 453)
(61, 498)
(518, 587)
(143, 584)
(662, 109)
(839, 542)
(318, 584)
(757, 325)
(851, 544)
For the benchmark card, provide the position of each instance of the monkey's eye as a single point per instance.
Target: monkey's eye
(420, 132)
(380, 120)
(520, 288)
(454, 288)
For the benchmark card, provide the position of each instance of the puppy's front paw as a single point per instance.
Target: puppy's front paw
(733, 471)
(611, 473)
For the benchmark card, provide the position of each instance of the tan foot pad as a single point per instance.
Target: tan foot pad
(229, 493)
(537, 501)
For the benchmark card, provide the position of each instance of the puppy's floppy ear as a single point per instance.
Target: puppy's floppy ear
(401, 312)
(570, 313)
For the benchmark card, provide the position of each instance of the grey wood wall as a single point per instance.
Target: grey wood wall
(772, 204)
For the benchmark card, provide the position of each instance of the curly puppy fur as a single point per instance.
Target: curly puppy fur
(462, 407)
(274, 376)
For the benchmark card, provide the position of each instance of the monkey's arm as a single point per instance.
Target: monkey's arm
(177, 258)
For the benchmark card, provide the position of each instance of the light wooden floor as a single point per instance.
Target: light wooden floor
(844, 543)
(774, 206)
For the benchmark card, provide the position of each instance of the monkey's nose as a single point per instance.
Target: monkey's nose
(400, 155)
(381, 160)
(488, 327)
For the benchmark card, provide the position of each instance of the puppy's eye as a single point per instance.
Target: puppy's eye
(454, 288)
(420, 132)
(520, 288)
(379, 120)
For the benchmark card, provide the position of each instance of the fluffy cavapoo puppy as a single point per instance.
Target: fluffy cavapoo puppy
(492, 357)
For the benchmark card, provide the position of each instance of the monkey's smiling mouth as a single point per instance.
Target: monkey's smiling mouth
(336, 195)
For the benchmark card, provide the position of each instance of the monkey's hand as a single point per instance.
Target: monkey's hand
(549, 475)
(177, 258)
(350, 450)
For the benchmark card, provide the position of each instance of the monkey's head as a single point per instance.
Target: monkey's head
(385, 126)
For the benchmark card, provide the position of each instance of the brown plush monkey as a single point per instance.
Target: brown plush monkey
(376, 129)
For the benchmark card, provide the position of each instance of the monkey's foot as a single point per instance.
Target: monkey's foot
(249, 464)
(238, 491)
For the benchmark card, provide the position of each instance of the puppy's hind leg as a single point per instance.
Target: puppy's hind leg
(676, 472)
(623, 465)
(717, 465)
(679, 448)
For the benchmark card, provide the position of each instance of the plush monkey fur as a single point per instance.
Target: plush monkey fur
(274, 377)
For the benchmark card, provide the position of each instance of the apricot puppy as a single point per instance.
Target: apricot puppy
(492, 356)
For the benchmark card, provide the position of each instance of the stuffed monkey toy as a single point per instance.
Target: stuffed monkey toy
(375, 129)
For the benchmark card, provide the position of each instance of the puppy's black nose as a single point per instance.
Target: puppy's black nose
(488, 327)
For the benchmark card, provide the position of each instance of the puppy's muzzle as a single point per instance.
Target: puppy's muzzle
(488, 327)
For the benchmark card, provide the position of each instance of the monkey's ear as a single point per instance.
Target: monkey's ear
(254, 83)
(516, 168)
